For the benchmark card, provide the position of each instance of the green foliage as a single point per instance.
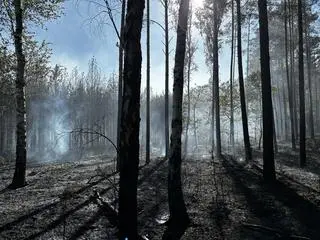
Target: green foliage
(205, 23)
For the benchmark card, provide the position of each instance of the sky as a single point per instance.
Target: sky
(79, 35)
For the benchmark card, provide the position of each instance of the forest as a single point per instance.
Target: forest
(159, 119)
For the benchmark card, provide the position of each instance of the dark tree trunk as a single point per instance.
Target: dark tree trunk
(19, 178)
(231, 79)
(130, 120)
(148, 87)
(248, 44)
(301, 90)
(246, 137)
(179, 219)
(215, 81)
(166, 120)
(268, 155)
(120, 80)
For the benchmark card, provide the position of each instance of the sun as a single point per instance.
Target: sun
(197, 3)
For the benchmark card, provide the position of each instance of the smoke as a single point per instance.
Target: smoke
(48, 129)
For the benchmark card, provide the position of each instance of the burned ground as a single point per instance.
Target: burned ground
(226, 199)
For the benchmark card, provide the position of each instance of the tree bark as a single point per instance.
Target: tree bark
(267, 112)
(179, 219)
(19, 178)
(130, 120)
(246, 137)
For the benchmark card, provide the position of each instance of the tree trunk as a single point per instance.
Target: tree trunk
(293, 140)
(212, 123)
(148, 87)
(19, 178)
(130, 120)
(308, 55)
(188, 110)
(248, 45)
(231, 79)
(285, 115)
(179, 219)
(268, 155)
(292, 59)
(301, 90)
(246, 137)
(189, 61)
(166, 120)
(120, 80)
(215, 79)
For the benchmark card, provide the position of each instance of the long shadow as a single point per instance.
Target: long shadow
(62, 217)
(292, 160)
(51, 205)
(104, 210)
(86, 226)
(285, 177)
(304, 211)
(60, 220)
(307, 212)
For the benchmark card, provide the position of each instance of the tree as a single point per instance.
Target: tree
(179, 219)
(267, 112)
(301, 90)
(215, 75)
(15, 18)
(19, 178)
(148, 86)
(293, 141)
(190, 67)
(231, 79)
(210, 18)
(130, 119)
(120, 80)
(166, 120)
(246, 137)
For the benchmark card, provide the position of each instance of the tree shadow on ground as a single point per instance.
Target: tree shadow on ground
(292, 160)
(270, 204)
(70, 208)
(64, 216)
(55, 204)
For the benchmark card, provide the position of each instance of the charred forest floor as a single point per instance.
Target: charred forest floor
(226, 199)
